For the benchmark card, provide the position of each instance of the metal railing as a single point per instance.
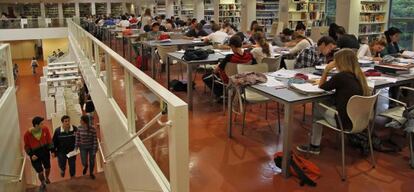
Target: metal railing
(92, 51)
(24, 23)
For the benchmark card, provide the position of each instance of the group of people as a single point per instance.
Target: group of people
(39, 144)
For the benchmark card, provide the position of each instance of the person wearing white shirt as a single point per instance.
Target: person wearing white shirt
(217, 36)
(124, 23)
(373, 50)
(302, 43)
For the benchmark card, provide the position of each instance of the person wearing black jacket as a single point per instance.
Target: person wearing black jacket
(346, 40)
(64, 142)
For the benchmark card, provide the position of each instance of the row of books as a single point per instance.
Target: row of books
(371, 18)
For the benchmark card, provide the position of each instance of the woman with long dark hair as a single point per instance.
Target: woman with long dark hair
(262, 48)
(87, 143)
(393, 37)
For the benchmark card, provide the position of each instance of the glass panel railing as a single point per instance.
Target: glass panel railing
(7, 71)
(156, 119)
(25, 23)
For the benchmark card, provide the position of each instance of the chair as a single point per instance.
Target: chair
(396, 113)
(250, 97)
(277, 27)
(272, 63)
(360, 111)
(162, 53)
(230, 69)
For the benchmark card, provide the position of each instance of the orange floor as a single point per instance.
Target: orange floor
(245, 163)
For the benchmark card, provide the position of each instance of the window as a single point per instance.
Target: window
(331, 11)
(402, 17)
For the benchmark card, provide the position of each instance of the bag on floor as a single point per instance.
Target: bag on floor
(306, 171)
(177, 85)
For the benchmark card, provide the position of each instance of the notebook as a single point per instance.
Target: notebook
(307, 88)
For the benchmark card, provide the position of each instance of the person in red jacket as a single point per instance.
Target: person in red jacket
(37, 144)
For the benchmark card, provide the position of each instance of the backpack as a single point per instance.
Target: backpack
(177, 85)
(195, 54)
(306, 171)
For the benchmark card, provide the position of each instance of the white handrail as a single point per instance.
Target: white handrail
(22, 169)
(101, 152)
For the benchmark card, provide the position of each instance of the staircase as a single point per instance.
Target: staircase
(78, 184)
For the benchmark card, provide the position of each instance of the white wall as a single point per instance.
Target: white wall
(10, 141)
(38, 33)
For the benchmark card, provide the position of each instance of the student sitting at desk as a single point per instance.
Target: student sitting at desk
(217, 37)
(155, 31)
(196, 31)
(346, 40)
(316, 55)
(373, 50)
(393, 37)
(261, 49)
(348, 82)
(239, 56)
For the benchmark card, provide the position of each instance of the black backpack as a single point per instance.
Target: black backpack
(195, 54)
(177, 85)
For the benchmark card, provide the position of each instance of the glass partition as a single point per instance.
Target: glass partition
(156, 119)
(6, 69)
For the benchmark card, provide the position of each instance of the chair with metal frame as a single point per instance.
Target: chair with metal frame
(396, 113)
(248, 96)
(360, 110)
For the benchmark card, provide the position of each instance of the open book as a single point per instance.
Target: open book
(307, 88)
(408, 54)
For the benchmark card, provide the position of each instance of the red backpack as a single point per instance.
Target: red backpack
(306, 171)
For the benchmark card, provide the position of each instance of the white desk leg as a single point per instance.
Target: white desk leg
(287, 139)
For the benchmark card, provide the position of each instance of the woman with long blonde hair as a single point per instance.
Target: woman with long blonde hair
(349, 81)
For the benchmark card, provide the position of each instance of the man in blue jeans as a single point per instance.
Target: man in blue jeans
(64, 142)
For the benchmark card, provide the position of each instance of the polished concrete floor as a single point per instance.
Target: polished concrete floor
(244, 163)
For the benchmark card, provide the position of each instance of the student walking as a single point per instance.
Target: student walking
(37, 144)
(64, 142)
(34, 65)
(86, 141)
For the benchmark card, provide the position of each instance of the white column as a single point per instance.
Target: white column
(248, 14)
(284, 12)
(199, 9)
(108, 8)
(347, 15)
(77, 11)
(60, 11)
(93, 8)
(169, 8)
(42, 10)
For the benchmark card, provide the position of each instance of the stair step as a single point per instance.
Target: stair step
(78, 184)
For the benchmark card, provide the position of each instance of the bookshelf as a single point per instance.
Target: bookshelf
(311, 12)
(160, 8)
(176, 8)
(187, 9)
(84, 9)
(229, 10)
(372, 18)
(68, 10)
(116, 9)
(51, 10)
(208, 10)
(31, 10)
(100, 9)
(267, 12)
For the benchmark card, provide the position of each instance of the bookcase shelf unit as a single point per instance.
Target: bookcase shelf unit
(312, 13)
(267, 12)
(230, 11)
(51, 10)
(208, 10)
(84, 9)
(372, 18)
(101, 9)
(117, 9)
(160, 8)
(68, 10)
